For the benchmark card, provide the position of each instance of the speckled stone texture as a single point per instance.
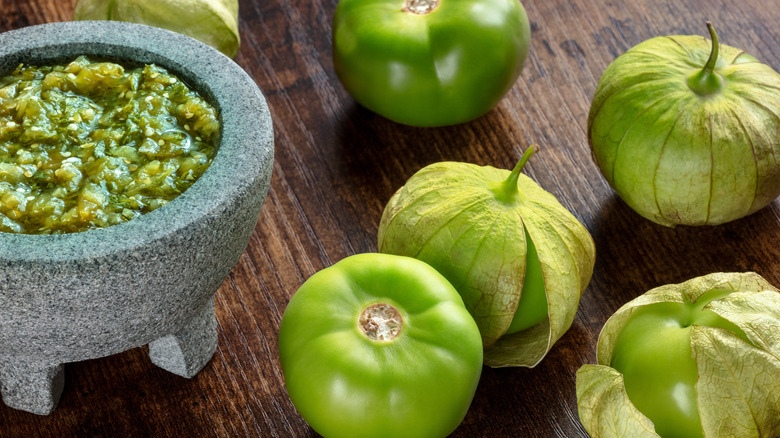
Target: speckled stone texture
(151, 280)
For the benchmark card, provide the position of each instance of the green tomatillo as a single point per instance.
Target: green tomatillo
(695, 359)
(518, 258)
(379, 345)
(686, 130)
(429, 62)
(214, 22)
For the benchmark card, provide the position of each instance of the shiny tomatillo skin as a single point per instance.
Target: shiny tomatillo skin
(429, 62)
(653, 351)
(380, 345)
(686, 130)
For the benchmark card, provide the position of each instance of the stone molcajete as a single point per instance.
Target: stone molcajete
(72, 297)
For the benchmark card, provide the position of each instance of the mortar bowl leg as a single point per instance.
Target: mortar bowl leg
(32, 386)
(186, 352)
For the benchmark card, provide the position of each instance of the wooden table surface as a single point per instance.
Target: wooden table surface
(337, 164)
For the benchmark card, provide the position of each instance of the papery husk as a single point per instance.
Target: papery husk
(738, 390)
(677, 157)
(447, 216)
(214, 22)
(604, 407)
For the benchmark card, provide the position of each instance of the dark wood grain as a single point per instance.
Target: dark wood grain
(336, 166)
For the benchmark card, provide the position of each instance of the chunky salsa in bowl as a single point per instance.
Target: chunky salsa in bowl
(89, 144)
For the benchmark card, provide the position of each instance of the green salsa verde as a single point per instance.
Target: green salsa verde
(92, 144)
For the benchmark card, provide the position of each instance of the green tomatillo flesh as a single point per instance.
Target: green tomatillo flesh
(429, 62)
(380, 345)
(505, 244)
(653, 352)
(532, 307)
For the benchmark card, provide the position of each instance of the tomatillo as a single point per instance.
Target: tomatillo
(429, 62)
(214, 22)
(696, 359)
(686, 130)
(380, 345)
(519, 258)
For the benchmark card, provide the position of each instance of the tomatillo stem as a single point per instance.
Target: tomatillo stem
(507, 190)
(707, 81)
(420, 7)
(381, 322)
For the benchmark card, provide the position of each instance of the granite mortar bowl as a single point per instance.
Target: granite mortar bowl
(71, 297)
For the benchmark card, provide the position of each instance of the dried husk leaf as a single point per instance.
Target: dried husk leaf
(757, 314)
(447, 216)
(436, 216)
(604, 407)
(214, 22)
(676, 157)
(566, 254)
(439, 217)
(738, 391)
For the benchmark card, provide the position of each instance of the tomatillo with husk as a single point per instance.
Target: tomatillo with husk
(518, 258)
(686, 130)
(379, 345)
(695, 359)
(429, 62)
(214, 22)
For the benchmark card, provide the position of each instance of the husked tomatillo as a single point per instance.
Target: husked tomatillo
(686, 130)
(695, 359)
(518, 258)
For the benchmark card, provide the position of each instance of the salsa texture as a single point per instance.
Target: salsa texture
(92, 144)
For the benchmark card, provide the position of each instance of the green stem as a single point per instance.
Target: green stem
(709, 67)
(707, 81)
(110, 9)
(507, 190)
